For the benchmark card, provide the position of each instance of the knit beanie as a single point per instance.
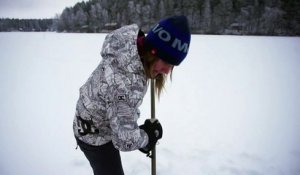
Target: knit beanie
(170, 39)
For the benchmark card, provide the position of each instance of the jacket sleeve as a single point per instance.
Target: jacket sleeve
(123, 113)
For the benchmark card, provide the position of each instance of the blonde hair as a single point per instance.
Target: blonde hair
(148, 62)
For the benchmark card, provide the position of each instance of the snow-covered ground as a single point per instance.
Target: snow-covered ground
(233, 107)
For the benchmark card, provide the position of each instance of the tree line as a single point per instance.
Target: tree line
(245, 17)
(8, 25)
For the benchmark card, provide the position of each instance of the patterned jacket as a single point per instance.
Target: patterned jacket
(107, 109)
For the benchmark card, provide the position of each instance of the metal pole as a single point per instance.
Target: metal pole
(153, 152)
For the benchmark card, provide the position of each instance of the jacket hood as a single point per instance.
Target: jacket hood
(120, 48)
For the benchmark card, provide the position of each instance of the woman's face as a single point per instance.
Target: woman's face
(161, 67)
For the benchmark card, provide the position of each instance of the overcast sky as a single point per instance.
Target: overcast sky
(33, 8)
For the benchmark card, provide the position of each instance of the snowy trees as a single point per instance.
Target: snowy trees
(267, 17)
(255, 17)
(8, 25)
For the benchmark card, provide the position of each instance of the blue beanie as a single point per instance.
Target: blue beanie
(171, 39)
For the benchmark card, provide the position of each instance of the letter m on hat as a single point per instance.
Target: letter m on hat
(179, 46)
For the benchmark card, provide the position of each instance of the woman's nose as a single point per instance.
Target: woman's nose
(166, 69)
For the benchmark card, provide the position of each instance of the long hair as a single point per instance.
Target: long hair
(148, 62)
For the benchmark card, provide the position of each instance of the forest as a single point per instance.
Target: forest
(238, 17)
(26, 25)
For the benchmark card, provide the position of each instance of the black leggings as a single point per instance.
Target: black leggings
(104, 159)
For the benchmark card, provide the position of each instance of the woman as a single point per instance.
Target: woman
(107, 109)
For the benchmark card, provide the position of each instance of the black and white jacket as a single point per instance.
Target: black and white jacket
(107, 109)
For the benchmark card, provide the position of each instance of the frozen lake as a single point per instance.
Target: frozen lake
(231, 109)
